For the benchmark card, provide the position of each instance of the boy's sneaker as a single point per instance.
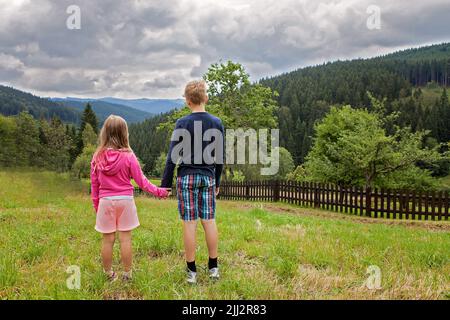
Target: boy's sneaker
(214, 274)
(127, 276)
(111, 275)
(191, 277)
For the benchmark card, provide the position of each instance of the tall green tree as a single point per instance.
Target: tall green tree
(82, 165)
(286, 165)
(88, 117)
(443, 118)
(235, 100)
(27, 139)
(351, 147)
(8, 131)
(89, 136)
(71, 132)
(239, 103)
(55, 145)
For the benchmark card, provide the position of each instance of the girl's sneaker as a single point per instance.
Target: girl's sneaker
(111, 275)
(127, 276)
(214, 274)
(191, 277)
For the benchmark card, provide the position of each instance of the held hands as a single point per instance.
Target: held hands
(165, 193)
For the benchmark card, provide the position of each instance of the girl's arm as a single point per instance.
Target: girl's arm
(94, 186)
(141, 180)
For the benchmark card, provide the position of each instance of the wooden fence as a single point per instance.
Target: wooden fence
(394, 204)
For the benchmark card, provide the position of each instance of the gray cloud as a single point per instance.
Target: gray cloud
(151, 48)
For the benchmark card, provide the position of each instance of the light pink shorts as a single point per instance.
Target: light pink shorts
(116, 215)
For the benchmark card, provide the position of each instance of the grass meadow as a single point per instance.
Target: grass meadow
(267, 251)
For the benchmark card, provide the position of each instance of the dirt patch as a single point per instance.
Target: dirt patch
(427, 225)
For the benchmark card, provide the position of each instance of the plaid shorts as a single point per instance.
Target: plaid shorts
(196, 195)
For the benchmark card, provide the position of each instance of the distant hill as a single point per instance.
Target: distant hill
(13, 101)
(104, 109)
(433, 52)
(306, 94)
(155, 106)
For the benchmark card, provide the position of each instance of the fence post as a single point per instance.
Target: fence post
(276, 191)
(368, 202)
(316, 195)
(247, 191)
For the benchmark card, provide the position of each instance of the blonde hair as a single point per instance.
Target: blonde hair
(114, 134)
(196, 92)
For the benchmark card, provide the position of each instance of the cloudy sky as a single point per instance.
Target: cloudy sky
(150, 48)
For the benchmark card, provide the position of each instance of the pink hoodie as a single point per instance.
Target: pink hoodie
(111, 176)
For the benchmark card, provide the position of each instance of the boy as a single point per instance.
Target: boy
(198, 176)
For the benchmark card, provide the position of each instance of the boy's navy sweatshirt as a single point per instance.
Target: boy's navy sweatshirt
(214, 170)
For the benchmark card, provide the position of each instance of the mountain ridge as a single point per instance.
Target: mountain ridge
(104, 109)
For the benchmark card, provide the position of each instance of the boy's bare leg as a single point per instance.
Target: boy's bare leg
(107, 250)
(212, 236)
(189, 232)
(126, 250)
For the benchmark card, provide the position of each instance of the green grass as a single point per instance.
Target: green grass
(267, 251)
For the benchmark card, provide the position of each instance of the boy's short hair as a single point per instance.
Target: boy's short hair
(196, 92)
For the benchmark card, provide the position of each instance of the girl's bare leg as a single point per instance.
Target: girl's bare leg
(107, 250)
(126, 253)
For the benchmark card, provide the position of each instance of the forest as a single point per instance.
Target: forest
(400, 98)
(306, 95)
(13, 102)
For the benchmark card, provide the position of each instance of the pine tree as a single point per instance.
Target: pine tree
(444, 115)
(27, 140)
(88, 117)
(8, 131)
(71, 132)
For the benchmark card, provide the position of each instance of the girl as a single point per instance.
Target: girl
(112, 167)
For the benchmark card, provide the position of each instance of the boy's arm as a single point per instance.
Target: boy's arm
(94, 186)
(167, 178)
(219, 166)
(141, 180)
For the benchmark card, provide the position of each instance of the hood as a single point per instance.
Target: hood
(111, 161)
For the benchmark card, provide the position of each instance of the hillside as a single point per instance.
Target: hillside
(13, 101)
(267, 251)
(432, 52)
(154, 106)
(305, 95)
(148, 142)
(104, 109)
